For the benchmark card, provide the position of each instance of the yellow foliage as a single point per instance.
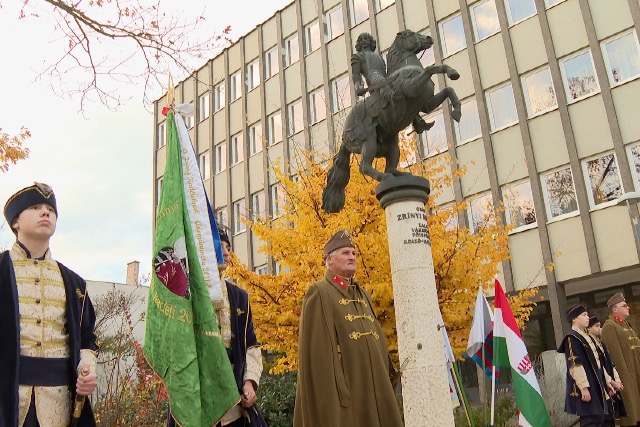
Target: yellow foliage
(12, 149)
(463, 261)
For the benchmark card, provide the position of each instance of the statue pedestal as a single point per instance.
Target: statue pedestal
(425, 386)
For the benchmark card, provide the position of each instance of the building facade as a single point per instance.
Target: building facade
(549, 127)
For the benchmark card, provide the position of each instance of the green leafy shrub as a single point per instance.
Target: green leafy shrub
(276, 398)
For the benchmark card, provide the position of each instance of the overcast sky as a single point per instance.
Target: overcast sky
(99, 163)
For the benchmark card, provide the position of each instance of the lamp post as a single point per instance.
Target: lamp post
(628, 199)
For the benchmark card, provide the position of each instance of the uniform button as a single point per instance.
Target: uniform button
(37, 279)
(37, 300)
(38, 344)
(39, 321)
(35, 262)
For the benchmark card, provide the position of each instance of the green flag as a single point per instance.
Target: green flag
(182, 340)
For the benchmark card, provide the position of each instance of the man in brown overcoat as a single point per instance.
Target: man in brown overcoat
(624, 346)
(344, 370)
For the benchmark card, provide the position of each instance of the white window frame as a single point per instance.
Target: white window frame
(607, 60)
(205, 165)
(220, 160)
(567, 91)
(294, 123)
(235, 86)
(331, 33)
(634, 172)
(255, 138)
(275, 200)
(312, 39)
(239, 211)
(527, 97)
(441, 24)
(352, 12)
(258, 199)
(261, 270)
(551, 3)
(269, 57)
(507, 211)
(220, 215)
(203, 106)
(273, 129)
(291, 53)
(490, 107)
(587, 179)
(219, 96)
(513, 22)
(545, 194)
(253, 75)
(162, 135)
(459, 139)
(317, 106)
(340, 92)
(380, 5)
(470, 201)
(237, 148)
(424, 136)
(472, 11)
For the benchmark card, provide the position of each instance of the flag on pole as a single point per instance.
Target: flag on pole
(182, 341)
(510, 352)
(481, 335)
(449, 360)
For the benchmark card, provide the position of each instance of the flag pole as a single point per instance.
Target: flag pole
(493, 393)
(465, 404)
(484, 386)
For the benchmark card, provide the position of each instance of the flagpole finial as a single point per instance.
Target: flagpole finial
(171, 92)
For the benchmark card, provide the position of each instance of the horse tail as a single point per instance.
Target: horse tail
(333, 195)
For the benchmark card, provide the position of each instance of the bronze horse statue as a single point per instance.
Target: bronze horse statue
(372, 126)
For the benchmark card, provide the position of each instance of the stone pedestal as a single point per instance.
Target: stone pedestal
(425, 386)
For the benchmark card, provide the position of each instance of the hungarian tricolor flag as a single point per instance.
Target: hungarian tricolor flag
(182, 342)
(509, 351)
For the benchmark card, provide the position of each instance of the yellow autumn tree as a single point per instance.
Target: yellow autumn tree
(12, 148)
(463, 261)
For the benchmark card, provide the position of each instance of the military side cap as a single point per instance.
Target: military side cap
(616, 298)
(575, 311)
(593, 320)
(29, 196)
(341, 239)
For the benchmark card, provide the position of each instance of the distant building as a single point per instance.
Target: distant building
(550, 127)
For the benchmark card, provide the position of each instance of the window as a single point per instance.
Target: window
(333, 24)
(485, 19)
(221, 158)
(205, 165)
(634, 159)
(427, 57)
(317, 107)
(434, 140)
(189, 119)
(480, 212)
(277, 267)
(162, 134)
(539, 93)
(203, 106)
(502, 107)
(276, 203)
(468, 128)
(291, 50)
(518, 200)
(238, 215)
(452, 33)
(218, 96)
(261, 270)
(579, 76)
(257, 206)
(235, 87)
(237, 148)
(294, 117)
(358, 11)
(274, 128)
(253, 75)
(311, 37)
(518, 10)
(621, 57)
(603, 179)
(340, 93)
(255, 138)
(271, 66)
(559, 193)
(221, 217)
(550, 3)
(382, 4)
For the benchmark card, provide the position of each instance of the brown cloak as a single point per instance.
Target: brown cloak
(344, 366)
(624, 347)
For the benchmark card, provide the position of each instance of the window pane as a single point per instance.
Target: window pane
(604, 179)
(312, 37)
(634, 158)
(221, 157)
(623, 61)
(434, 140)
(205, 166)
(253, 75)
(218, 97)
(340, 93)
(539, 92)
(334, 25)
(427, 57)
(502, 107)
(468, 127)
(480, 212)
(239, 213)
(317, 107)
(359, 11)
(383, 4)
(517, 10)
(453, 35)
(162, 134)
(579, 76)
(560, 193)
(255, 139)
(275, 128)
(237, 149)
(203, 106)
(271, 63)
(485, 19)
(292, 50)
(550, 3)
(519, 202)
(295, 124)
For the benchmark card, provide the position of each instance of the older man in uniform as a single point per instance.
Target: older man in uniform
(344, 369)
(46, 322)
(624, 346)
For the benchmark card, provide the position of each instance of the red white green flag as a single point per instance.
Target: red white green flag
(509, 351)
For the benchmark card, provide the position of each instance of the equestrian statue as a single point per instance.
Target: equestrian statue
(398, 93)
